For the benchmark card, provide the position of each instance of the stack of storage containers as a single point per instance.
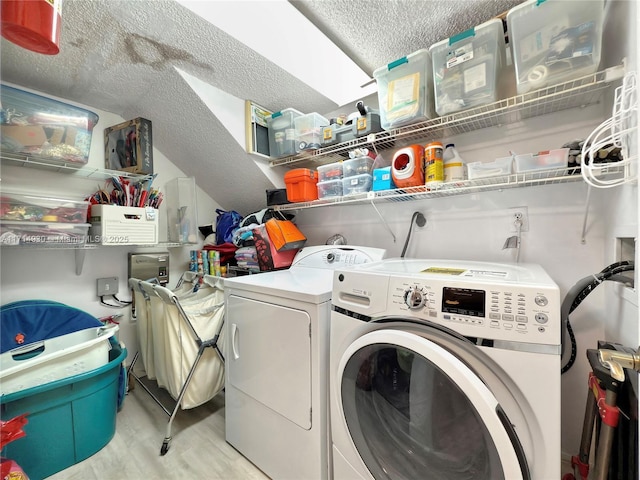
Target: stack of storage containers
(357, 176)
(33, 220)
(554, 41)
(330, 178)
(467, 68)
(404, 90)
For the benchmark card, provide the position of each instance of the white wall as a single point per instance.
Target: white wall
(33, 273)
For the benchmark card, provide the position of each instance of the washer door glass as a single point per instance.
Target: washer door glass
(416, 411)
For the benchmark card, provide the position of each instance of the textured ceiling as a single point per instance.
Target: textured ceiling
(119, 56)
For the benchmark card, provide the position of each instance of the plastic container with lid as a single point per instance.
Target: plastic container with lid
(467, 67)
(454, 168)
(301, 185)
(282, 138)
(554, 41)
(309, 131)
(357, 184)
(330, 171)
(404, 90)
(358, 166)
(433, 165)
(35, 125)
(34, 208)
(330, 188)
(499, 167)
(407, 167)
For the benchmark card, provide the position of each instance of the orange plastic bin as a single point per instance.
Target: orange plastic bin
(301, 185)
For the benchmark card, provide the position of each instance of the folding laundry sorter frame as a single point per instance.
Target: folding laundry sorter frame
(183, 299)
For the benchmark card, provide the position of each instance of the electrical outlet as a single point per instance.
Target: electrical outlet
(107, 286)
(518, 213)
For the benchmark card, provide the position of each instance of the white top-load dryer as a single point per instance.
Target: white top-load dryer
(276, 391)
(445, 369)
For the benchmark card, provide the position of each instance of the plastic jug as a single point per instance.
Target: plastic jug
(454, 168)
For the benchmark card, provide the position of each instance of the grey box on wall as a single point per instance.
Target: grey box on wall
(129, 146)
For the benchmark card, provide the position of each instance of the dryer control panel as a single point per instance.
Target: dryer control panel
(495, 303)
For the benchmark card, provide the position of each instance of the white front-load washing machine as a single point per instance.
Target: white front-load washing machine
(276, 390)
(446, 370)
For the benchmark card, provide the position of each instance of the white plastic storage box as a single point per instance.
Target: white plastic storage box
(554, 41)
(309, 129)
(357, 166)
(501, 166)
(117, 225)
(528, 162)
(35, 125)
(467, 68)
(282, 139)
(42, 233)
(55, 358)
(357, 184)
(330, 171)
(34, 208)
(405, 90)
(330, 188)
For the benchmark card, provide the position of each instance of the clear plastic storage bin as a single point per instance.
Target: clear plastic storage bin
(182, 211)
(33, 208)
(554, 41)
(282, 134)
(404, 90)
(330, 188)
(35, 125)
(501, 166)
(42, 233)
(331, 171)
(358, 166)
(309, 129)
(527, 162)
(467, 68)
(357, 184)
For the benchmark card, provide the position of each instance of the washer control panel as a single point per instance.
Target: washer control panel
(511, 310)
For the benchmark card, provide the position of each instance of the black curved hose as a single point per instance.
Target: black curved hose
(421, 221)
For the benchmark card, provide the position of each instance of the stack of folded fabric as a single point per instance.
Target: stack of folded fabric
(247, 258)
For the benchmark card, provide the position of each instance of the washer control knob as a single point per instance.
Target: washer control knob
(330, 257)
(541, 300)
(415, 298)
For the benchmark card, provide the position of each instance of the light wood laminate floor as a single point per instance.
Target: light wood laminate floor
(198, 449)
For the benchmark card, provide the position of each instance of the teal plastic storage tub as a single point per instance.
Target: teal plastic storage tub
(69, 419)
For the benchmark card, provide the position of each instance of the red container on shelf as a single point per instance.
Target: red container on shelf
(301, 185)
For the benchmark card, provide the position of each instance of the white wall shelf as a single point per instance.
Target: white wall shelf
(76, 169)
(502, 182)
(584, 91)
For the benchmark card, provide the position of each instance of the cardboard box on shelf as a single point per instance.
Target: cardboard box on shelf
(129, 146)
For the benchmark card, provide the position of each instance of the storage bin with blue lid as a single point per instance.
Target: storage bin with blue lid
(404, 90)
(467, 68)
(554, 41)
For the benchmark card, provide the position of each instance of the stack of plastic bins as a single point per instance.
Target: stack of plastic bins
(467, 68)
(357, 175)
(405, 90)
(282, 138)
(330, 180)
(554, 41)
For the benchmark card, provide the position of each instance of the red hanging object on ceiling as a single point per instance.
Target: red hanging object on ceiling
(32, 24)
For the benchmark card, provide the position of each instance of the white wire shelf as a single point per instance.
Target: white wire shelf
(75, 169)
(502, 182)
(580, 92)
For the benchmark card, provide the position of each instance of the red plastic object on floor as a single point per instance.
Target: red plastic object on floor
(33, 24)
(9, 431)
